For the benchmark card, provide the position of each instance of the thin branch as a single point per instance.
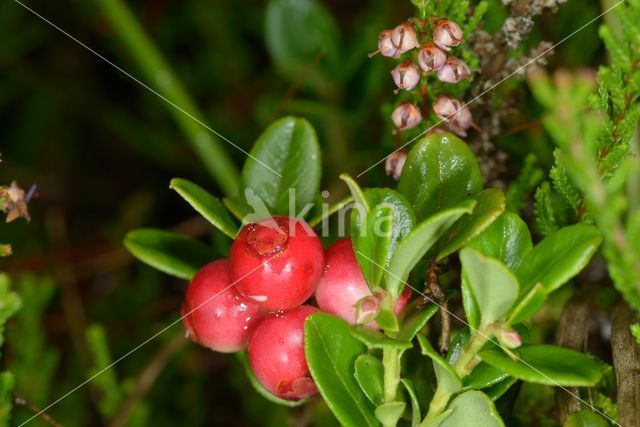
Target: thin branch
(21, 401)
(626, 360)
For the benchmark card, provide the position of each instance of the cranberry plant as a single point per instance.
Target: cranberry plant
(377, 290)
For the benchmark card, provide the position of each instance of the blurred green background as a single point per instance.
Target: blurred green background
(102, 149)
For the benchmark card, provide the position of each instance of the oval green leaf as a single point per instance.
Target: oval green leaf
(546, 364)
(414, 318)
(369, 373)
(171, 253)
(419, 241)
(331, 353)
(489, 207)
(472, 408)
(415, 404)
(558, 257)
(493, 286)
(507, 239)
(376, 339)
(210, 207)
(440, 172)
(289, 147)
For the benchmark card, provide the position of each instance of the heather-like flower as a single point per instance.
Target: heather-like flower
(454, 113)
(454, 70)
(394, 164)
(447, 34)
(406, 116)
(385, 46)
(404, 38)
(406, 75)
(431, 58)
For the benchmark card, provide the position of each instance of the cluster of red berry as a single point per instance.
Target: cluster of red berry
(255, 299)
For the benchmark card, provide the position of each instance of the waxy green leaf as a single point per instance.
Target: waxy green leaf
(472, 408)
(210, 207)
(439, 173)
(376, 339)
(494, 287)
(369, 373)
(489, 207)
(174, 254)
(546, 364)
(419, 241)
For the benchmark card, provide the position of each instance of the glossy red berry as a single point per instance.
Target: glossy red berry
(277, 262)
(276, 354)
(215, 315)
(342, 285)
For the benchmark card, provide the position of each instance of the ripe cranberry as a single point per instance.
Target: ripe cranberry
(277, 262)
(276, 354)
(215, 315)
(342, 285)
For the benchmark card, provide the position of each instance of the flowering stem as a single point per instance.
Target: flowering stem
(469, 358)
(391, 363)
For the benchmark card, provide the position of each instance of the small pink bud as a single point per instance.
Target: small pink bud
(453, 70)
(445, 107)
(462, 121)
(406, 116)
(431, 57)
(404, 38)
(447, 34)
(385, 45)
(510, 338)
(406, 75)
(394, 164)
(367, 308)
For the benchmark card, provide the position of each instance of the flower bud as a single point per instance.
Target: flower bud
(509, 338)
(406, 75)
(367, 308)
(404, 38)
(454, 113)
(447, 34)
(406, 116)
(385, 46)
(431, 57)
(453, 70)
(394, 164)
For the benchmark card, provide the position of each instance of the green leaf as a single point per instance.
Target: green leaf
(483, 376)
(356, 191)
(7, 382)
(389, 413)
(376, 339)
(469, 303)
(414, 319)
(585, 418)
(289, 147)
(369, 373)
(472, 408)
(331, 352)
(558, 257)
(546, 364)
(244, 359)
(507, 239)
(419, 241)
(387, 320)
(447, 378)
(440, 172)
(497, 390)
(376, 236)
(493, 286)
(489, 207)
(171, 253)
(415, 404)
(206, 205)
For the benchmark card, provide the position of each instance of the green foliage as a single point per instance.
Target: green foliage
(520, 189)
(171, 253)
(10, 303)
(105, 382)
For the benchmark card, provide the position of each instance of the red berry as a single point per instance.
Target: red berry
(215, 315)
(276, 354)
(277, 262)
(342, 284)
